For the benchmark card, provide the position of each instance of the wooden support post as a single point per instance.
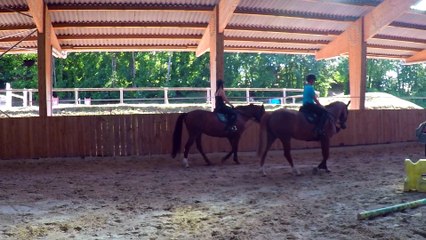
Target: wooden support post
(357, 65)
(44, 51)
(216, 53)
(213, 39)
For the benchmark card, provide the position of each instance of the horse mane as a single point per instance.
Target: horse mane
(248, 110)
(334, 105)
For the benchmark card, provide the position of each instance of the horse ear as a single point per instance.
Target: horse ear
(348, 103)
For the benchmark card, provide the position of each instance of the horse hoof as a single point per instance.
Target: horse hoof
(315, 171)
(325, 169)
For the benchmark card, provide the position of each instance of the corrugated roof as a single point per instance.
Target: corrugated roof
(280, 26)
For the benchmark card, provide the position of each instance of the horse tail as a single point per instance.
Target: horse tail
(177, 135)
(263, 135)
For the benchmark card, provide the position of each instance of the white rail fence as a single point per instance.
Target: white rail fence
(166, 95)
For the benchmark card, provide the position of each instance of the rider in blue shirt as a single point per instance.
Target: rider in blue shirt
(311, 103)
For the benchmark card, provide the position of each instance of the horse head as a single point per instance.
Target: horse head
(340, 112)
(252, 111)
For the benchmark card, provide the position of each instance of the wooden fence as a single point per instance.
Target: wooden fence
(126, 135)
(164, 95)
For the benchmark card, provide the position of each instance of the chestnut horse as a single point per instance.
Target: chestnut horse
(287, 124)
(200, 122)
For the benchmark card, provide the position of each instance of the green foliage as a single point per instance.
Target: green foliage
(19, 70)
(183, 69)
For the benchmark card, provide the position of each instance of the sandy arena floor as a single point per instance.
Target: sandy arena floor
(155, 198)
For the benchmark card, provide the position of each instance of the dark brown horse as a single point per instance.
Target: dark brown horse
(200, 122)
(287, 124)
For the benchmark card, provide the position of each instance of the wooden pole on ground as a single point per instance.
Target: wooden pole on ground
(386, 210)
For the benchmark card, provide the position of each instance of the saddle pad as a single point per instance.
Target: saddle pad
(221, 117)
(310, 116)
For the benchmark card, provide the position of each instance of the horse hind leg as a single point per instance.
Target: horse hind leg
(287, 154)
(200, 149)
(188, 145)
(270, 140)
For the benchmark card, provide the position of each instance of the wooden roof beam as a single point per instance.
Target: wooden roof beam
(36, 11)
(129, 48)
(269, 50)
(130, 36)
(293, 14)
(129, 7)
(383, 15)
(226, 9)
(127, 25)
(400, 39)
(417, 58)
(374, 21)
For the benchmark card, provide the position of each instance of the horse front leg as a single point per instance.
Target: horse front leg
(200, 149)
(287, 154)
(325, 149)
(227, 156)
(234, 140)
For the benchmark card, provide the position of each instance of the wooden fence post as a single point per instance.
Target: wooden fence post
(283, 101)
(121, 95)
(30, 97)
(25, 98)
(8, 95)
(208, 100)
(166, 97)
(247, 95)
(76, 96)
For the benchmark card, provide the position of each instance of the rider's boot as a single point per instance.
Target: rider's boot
(319, 130)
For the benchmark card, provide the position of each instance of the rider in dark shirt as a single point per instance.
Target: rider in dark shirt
(220, 106)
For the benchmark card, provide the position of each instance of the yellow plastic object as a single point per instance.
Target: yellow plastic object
(415, 179)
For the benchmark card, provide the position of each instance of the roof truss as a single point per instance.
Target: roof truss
(375, 20)
(381, 14)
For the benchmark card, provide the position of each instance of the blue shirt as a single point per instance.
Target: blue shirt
(308, 94)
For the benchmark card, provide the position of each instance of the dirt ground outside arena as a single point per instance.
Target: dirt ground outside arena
(154, 197)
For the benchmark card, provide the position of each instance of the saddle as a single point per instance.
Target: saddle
(222, 117)
(311, 117)
(226, 119)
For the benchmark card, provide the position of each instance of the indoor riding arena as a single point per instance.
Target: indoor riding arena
(119, 182)
(113, 177)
